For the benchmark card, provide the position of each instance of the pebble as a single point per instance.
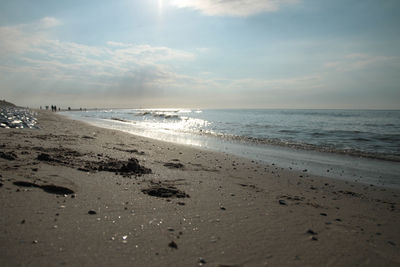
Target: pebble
(202, 261)
(92, 212)
(172, 244)
(13, 117)
(311, 232)
(282, 202)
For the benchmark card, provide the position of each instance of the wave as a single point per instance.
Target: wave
(323, 113)
(326, 148)
(288, 131)
(390, 138)
(118, 119)
(361, 139)
(160, 114)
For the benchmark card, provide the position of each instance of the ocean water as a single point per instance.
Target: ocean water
(363, 145)
(367, 133)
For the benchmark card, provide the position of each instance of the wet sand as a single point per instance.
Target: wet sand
(77, 195)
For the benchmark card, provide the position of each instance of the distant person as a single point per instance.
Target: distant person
(69, 108)
(40, 107)
(55, 108)
(47, 107)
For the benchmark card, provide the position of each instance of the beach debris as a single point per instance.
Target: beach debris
(202, 261)
(52, 189)
(173, 165)
(165, 192)
(87, 137)
(126, 168)
(44, 157)
(282, 202)
(55, 189)
(311, 232)
(313, 237)
(135, 151)
(71, 158)
(323, 214)
(92, 212)
(173, 245)
(351, 193)
(8, 156)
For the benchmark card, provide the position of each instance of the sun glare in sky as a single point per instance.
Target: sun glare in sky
(160, 5)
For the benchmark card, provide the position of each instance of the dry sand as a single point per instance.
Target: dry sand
(73, 194)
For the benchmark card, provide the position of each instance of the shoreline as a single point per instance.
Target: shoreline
(195, 207)
(365, 170)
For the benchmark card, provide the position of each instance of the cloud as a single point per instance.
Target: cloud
(236, 8)
(354, 62)
(111, 43)
(28, 51)
(289, 84)
(23, 37)
(36, 67)
(49, 22)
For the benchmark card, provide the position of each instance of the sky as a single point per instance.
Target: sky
(201, 53)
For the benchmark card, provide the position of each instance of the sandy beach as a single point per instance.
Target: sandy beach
(76, 195)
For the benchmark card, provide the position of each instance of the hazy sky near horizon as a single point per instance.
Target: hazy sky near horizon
(201, 53)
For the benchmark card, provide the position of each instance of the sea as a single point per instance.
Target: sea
(357, 145)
